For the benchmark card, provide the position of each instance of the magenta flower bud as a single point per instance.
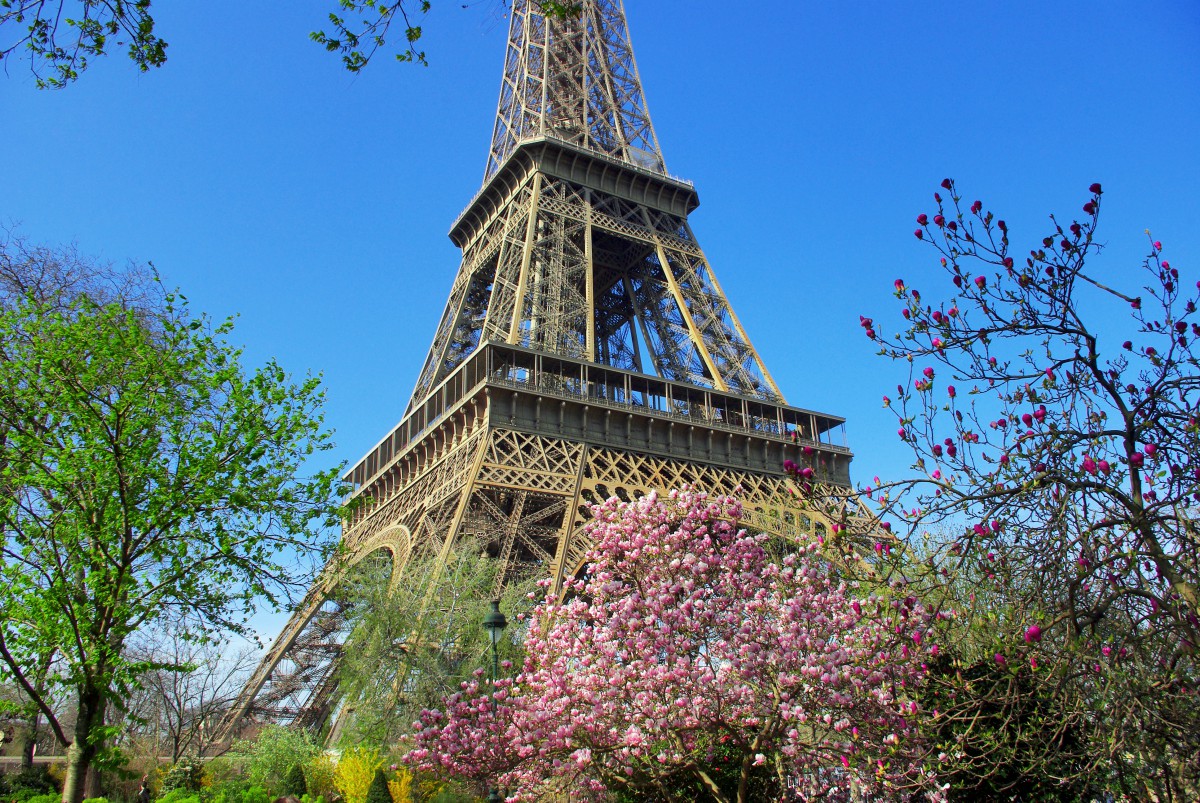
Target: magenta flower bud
(1033, 634)
(899, 284)
(950, 391)
(1000, 659)
(1094, 189)
(1127, 345)
(947, 184)
(1089, 208)
(1157, 245)
(980, 282)
(975, 207)
(1150, 449)
(938, 220)
(1027, 420)
(928, 373)
(1135, 459)
(920, 235)
(903, 435)
(922, 219)
(1104, 466)
(1008, 262)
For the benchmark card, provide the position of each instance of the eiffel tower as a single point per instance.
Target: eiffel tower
(586, 350)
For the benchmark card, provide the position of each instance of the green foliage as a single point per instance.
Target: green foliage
(359, 28)
(272, 755)
(294, 783)
(35, 780)
(148, 474)
(61, 35)
(45, 798)
(95, 800)
(387, 618)
(235, 792)
(378, 791)
(180, 796)
(318, 776)
(187, 773)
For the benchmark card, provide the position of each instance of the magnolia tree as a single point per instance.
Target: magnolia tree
(1053, 422)
(686, 664)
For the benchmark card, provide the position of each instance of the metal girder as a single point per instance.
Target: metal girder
(586, 349)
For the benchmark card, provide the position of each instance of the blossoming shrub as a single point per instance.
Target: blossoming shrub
(687, 664)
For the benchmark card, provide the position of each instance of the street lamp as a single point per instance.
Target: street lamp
(495, 623)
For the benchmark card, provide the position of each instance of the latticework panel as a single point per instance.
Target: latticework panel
(574, 79)
(530, 462)
(768, 504)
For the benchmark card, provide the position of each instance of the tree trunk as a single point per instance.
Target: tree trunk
(83, 750)
(29, 742)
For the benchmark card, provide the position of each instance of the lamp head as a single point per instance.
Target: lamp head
(495, 622)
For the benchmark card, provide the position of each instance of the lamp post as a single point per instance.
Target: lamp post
(495, 623)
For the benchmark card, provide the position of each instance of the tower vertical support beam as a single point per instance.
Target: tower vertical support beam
(693, 332)
(514, 330)
(589, 283)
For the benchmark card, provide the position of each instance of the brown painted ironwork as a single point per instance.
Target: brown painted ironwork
(586, 350)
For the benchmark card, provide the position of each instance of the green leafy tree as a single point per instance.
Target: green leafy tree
(274, 753)
(378, 792)
(148, 475)
(294, 783)
(415, 637)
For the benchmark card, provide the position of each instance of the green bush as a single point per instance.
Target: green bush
(187, 773)
(95, 800)
(256, 794)
(180, 796)
(293, 783)
(47, 798)
(270, 757)
(34, 779)
(378, 791)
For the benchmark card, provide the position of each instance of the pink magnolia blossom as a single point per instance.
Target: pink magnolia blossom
(683, 631)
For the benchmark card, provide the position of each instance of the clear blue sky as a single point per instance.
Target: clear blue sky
(266, 182)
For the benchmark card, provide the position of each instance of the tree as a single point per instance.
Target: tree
(686, 665)
(61, 36)
(176, 705)
(414, 638)
(378, 792)
(148, 477)
(1066, 469)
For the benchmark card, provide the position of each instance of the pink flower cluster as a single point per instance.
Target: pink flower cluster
(683, 632)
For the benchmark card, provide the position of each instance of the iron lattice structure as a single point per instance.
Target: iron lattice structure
(586, 350)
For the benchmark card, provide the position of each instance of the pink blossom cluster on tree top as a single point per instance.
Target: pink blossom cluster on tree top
(685, 659)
